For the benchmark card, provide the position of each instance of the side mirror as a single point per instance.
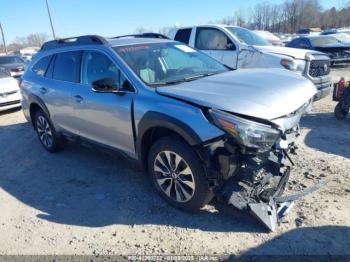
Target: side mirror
(105, 85)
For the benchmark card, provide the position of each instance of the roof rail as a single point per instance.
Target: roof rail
(145, 35)
(72, 41)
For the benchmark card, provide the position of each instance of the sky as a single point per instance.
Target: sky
(116, 17)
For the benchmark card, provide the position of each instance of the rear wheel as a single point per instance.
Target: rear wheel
(178, 174)
(47, 134)
(340, 113)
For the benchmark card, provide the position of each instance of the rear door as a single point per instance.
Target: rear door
(104, 118)
(64, 71)
(57, 75)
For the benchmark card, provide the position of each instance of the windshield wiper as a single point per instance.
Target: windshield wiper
(185, 79)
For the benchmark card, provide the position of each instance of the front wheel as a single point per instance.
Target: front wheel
(340, 113)
(178, 174)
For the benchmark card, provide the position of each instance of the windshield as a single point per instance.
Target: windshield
(10, 60)
(345, 38)
(323, 40)
(168, 63)
(247, 37)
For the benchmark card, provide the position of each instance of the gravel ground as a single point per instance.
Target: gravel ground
(84, 201)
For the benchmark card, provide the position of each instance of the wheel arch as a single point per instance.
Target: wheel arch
(155, 125)
(36, 103)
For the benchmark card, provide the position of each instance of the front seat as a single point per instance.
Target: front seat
(146, 73)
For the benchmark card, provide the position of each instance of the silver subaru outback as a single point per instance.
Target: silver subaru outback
(199, 129)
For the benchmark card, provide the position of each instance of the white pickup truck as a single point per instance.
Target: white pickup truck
(238, 47)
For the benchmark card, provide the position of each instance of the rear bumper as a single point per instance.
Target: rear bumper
(10, 100)
(10, 105)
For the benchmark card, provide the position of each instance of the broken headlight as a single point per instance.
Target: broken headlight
(248, 133)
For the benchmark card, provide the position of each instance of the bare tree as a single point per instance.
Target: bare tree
(140, 30)
(36, 39)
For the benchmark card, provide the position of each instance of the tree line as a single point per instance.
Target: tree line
(290, 16)
(34, 39)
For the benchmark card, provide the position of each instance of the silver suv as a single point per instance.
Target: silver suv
(199, 128)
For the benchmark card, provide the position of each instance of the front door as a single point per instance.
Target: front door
(103, 117)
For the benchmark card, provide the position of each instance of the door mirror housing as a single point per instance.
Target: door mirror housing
(105, 85)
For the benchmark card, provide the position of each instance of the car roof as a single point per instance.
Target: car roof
(95, 40)
(123, 41)
(318, 36)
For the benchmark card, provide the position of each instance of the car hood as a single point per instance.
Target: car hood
(8, 84)
(257, 93)
(288, 51)
(10, 66)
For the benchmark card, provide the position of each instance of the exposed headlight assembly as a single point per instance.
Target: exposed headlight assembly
(248, 133)
(293, 65)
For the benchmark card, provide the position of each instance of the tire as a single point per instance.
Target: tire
(47, 134)
(340, 113)
(185, 185)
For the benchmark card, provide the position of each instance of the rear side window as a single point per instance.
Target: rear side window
(212, 39)
(183, 35)
(67, 66)
(41, 66)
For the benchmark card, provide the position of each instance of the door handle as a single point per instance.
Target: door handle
(43, 90)
(78, 98)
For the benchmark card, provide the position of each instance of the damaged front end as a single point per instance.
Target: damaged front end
(253, 178)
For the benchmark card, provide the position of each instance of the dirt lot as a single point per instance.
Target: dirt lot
(83, 201)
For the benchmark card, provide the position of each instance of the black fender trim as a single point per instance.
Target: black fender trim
(34, 99)
(155, 119)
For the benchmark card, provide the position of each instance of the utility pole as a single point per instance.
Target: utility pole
(3, 38)
(48, 11)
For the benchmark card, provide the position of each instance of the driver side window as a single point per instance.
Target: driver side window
(97, 66)
(213, 39)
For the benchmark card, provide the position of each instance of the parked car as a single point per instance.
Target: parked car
(336, 31)
(337, 51)
(269, 37)
(190, 121)
(10, 96)
(14, 64)
(309, 31)
(343, 38)
(238, 47)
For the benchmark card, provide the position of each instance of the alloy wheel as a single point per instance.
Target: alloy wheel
(174, 176)
(44, 131)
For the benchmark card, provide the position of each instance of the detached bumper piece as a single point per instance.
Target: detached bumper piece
(259, 186)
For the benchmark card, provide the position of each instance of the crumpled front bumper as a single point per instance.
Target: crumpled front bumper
(271, 213)
(259, 186)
